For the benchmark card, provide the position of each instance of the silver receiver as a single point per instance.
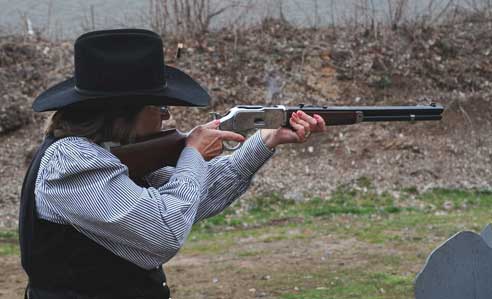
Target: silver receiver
(242, 119)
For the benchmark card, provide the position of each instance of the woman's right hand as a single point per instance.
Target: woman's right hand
(207, 140)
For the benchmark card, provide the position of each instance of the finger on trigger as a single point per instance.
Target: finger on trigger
(231, 136)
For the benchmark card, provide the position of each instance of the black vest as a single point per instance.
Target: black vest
(63, 263)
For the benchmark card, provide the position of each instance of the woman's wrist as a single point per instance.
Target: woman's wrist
(268, 137)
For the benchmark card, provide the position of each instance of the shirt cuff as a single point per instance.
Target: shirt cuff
(249, 158)
(191, 165)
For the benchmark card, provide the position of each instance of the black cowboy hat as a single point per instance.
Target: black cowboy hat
(123, 66)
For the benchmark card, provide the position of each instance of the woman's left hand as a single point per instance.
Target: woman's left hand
(302, 125)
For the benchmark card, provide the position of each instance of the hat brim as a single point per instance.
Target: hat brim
(180, 90)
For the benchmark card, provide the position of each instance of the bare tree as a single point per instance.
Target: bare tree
(434, 12)
(483, 7)
(396, 11)
(186, 17)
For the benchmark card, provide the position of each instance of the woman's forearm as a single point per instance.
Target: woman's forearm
(230, 176)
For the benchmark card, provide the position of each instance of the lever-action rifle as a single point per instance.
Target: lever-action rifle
(164, 148)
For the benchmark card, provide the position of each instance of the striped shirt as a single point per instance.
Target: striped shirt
(81, 184)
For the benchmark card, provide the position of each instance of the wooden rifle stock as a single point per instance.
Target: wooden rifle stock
(164, 148)
(151, 153)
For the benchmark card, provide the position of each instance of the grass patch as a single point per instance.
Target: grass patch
(9, 249)
(357, 283)
(362, 200)
(456, 199)
(359, 213)
(404, 228)
(9, 235)
(9, 243)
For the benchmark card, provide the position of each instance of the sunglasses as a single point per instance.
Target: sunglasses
(163, 110)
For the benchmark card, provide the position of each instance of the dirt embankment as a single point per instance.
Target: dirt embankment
(275, 63)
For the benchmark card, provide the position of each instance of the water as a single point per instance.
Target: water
(60, 19)
(67, 18)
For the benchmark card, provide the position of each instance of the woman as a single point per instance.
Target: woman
(86, 229)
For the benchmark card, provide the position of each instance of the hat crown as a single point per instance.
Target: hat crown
(121, 67)
(119, 61)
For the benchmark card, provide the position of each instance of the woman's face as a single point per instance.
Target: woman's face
(149, 120)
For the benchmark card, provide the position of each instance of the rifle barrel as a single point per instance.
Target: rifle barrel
(344, 115)
(414, 117)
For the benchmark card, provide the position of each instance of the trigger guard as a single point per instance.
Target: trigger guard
(233, 148)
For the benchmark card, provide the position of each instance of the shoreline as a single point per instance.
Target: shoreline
(71, 19)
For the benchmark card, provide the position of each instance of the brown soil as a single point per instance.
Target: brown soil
(13, 279)
(230, 276)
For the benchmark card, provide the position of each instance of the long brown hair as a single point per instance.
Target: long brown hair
(116, 124)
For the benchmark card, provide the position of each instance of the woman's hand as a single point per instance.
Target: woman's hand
(302, 126)
(207, 140)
